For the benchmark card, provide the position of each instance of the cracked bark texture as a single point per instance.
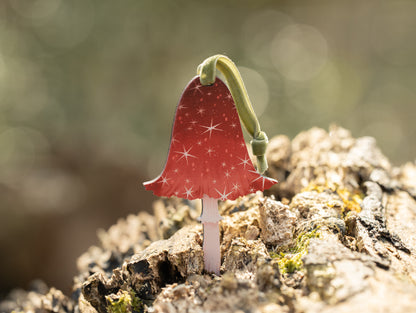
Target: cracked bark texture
(337, 234)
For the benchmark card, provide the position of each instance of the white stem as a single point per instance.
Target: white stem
(210, 220)
(212, 252)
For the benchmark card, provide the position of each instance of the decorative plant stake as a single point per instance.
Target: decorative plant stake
(208, 157)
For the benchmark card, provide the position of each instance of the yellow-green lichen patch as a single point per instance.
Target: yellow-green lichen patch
(124, 302)
(291, 260)
(351, 199)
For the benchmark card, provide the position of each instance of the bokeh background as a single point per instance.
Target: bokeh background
(88, 89)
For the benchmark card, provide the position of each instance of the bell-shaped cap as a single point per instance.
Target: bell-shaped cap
(207, 154)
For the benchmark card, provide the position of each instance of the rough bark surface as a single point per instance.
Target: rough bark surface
(337, 234)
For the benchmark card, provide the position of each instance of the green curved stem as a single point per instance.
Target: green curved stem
(207, 73)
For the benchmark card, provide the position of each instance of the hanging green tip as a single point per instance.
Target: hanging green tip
(207, 72)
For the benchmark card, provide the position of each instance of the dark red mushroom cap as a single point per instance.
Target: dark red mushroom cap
(207, 154)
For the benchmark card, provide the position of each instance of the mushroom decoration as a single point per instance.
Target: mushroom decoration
(208, 158)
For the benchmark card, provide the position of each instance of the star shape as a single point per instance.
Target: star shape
(245, 162)
(197, 88)
(210, 150)
(211, 128)
(200, 110)
(185, 154)
(223, 195)
(260, 177)
(188, 192)
(164, 180)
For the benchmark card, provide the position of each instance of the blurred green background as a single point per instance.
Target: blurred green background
(88, 89)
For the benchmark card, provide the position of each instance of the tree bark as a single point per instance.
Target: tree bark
(337, 234)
